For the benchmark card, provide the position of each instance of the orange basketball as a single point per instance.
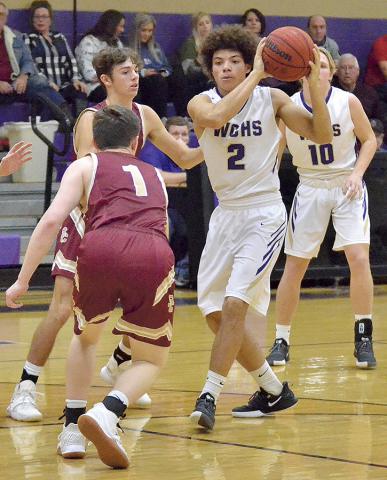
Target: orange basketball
(287, 53)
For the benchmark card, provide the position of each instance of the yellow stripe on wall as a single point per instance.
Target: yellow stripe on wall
(376, 9)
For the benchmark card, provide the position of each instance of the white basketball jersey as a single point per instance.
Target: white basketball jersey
(241, 156)
(326, 161)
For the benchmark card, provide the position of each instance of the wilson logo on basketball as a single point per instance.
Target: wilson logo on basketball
(274, 48)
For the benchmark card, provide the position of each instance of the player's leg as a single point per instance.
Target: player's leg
(99, 424)
(79, 374)
(272, 395)
(361, 294)
(23, 404)
(352, 225)
(287, 300)
(308, 221)
(118, 362)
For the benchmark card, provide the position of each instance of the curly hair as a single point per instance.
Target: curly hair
(228, 37)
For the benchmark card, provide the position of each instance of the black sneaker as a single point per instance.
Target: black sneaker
(279, 353)
(204, 413)
(364, 353)
(263, 403)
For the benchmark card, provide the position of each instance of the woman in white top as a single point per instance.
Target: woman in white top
(331, 186)
(105, 33)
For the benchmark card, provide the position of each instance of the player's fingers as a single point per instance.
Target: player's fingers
(26, 159)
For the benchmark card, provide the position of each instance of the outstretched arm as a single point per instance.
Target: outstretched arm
(182, 155)
(67, 198)
(19, 154)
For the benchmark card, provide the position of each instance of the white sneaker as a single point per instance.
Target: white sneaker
(23, 403)
(109, 374)
(99, 425)
(71, 442)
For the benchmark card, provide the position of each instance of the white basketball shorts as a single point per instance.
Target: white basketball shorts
(310, 214)
(241, 249)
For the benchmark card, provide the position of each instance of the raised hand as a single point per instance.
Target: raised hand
(19, 154)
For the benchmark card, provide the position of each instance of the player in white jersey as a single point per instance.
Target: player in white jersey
(331, 185)
(236, 124)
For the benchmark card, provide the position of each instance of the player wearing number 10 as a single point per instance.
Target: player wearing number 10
(331, 185)
(236, 124)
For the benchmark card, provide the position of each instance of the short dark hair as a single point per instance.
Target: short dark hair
(177, 121)
(228, 37)
(261, 18)
(115, 127)
(315, 15)
(40, 4)
(105, 60)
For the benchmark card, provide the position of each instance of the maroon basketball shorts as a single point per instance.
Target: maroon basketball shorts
(67, 245)
(134, 268)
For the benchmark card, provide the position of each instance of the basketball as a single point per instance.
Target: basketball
(287, 52)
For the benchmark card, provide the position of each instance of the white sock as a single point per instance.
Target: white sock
(360, 317)
(124, 348)
(282, 331)
(76, 403)
(266, 379)
(120, 396)
(214, 384)
(32, 369)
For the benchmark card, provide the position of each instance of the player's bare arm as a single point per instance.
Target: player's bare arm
(206, 114)
(155, 131)
(83, 139)
(316, 127)
(354, 184)
(19, 154)
(70, 194)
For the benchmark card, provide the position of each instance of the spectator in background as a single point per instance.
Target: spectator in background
(156, 77)
(176, 181)
(378, 128)
(376, 74)
(19, 79)
(348, 72)
(317, 29)
(196, 79)
(254, 21)
(53, 56)
(105, 33)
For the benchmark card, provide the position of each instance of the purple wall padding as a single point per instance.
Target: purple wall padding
(9, 250)
(354, 36)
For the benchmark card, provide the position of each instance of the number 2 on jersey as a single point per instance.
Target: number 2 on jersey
(138, 180)
(238, 151)
(324, 153)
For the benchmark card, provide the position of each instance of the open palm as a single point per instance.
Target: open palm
(19, 154)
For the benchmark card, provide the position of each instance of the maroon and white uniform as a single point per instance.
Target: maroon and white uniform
(73, 228)
(125, 255)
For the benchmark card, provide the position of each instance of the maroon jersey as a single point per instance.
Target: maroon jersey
(126, 192)
(70, 235)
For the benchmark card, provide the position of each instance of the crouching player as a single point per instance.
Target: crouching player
(124, 255)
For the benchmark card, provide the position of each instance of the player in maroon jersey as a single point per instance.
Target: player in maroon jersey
(124, 255)
(118, 72)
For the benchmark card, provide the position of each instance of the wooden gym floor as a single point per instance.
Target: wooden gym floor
(338, 429)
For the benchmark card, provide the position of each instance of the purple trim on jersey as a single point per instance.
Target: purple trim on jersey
(307, 106)
(221, 96)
